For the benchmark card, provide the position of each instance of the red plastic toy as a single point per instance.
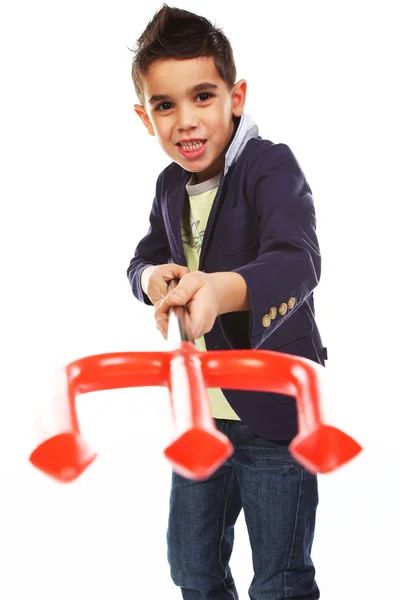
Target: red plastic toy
(198, 448)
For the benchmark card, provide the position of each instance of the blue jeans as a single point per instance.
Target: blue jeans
(279, 499)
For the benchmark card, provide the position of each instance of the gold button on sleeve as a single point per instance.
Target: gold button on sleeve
(266, 320)
(291, 302)
(273, 311)
(283, 309)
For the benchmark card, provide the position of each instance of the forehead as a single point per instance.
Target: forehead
(175, 77)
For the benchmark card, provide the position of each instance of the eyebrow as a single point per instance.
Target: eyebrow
(206, 85)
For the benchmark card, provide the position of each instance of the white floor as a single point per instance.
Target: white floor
(104, 535)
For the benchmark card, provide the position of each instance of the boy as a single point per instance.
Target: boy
(233, 219)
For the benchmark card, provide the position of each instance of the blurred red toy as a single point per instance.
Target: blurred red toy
(198, 448)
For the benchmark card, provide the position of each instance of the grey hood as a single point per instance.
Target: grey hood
(246, 130)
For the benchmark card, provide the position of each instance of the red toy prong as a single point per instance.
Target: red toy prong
(64, 456)
(318, 447)
(197, 453)
(199, 448)
(324, 449)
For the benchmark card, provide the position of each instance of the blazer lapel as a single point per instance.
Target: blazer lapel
(211, 221)
(175, 197)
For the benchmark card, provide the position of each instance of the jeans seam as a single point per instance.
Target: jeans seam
(294, 531)
(222, 522)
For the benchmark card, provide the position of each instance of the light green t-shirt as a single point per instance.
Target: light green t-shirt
(194, 221)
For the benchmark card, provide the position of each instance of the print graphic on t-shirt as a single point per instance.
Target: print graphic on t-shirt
(194, 219)
(193, 237)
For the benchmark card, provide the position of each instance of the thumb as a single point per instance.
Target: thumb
(178, 296)
(183, 292)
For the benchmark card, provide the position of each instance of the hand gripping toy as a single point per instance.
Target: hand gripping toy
(198, 448)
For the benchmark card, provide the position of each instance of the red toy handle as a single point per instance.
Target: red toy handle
(199, 447)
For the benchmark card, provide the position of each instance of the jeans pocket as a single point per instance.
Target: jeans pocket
(269, 455)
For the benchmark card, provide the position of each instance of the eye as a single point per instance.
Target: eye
(166, 105)
(207, 94)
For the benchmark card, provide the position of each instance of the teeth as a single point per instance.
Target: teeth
(194, 146)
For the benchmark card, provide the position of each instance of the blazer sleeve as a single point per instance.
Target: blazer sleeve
(153, 249)
(288, 265)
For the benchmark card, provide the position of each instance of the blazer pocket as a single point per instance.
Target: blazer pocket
(240, 231)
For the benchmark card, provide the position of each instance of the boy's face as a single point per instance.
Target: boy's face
(188, 100)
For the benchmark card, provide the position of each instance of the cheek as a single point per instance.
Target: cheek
(222, 120)
(162, 130)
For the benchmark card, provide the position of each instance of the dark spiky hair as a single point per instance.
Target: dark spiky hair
(180, 35)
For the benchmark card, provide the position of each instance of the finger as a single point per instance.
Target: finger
(181, 271)
(175, 272)
(158, 291)
(161, 316)
(184, 291)
(162, 325)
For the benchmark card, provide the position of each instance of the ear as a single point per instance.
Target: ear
(144, 117)
(239, 97)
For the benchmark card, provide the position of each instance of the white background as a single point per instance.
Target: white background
(77, 180)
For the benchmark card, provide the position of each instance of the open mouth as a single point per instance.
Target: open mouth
(189, 147)
(192, 149)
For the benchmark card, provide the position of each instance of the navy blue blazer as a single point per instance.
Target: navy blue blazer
(261, 225)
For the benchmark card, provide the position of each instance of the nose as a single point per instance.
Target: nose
(187, 118)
